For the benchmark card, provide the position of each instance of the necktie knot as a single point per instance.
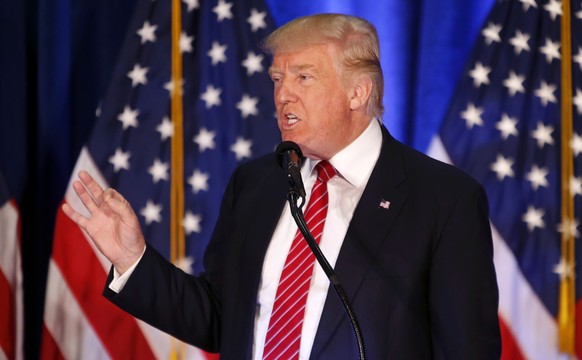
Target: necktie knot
(325, 171)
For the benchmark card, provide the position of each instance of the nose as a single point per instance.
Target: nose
(284, 93)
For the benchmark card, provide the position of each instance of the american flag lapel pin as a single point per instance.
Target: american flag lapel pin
(384, 204)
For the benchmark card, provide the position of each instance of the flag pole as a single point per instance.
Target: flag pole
(177, 240)
(177, 176)
(566, 311)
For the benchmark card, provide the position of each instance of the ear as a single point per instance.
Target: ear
(361, 93)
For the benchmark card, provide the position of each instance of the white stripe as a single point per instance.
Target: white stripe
(288, 308)
(10, 265)
(291, 343)
(437, 150)
(293, 356)
(66, 322)
(160, 343)
(75, 336)
(9, 251)
(283, 339)
(290, 320)
(312, 204)
(312, 216)
(532, 325)
(85, 162)
(302, 256)
(315, 226)
(284, 286)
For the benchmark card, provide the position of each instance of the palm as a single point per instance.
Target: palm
(114, 236)
(112, 224)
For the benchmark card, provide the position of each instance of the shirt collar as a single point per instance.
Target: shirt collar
(356, 161)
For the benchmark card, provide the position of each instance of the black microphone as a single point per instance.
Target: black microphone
(290, 158)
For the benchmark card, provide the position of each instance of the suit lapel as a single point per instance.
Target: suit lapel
(381, 202)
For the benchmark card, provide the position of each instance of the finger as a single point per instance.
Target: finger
(75, 216)
(85, 197)
(117, 203)
(111, 193)
(92, 186)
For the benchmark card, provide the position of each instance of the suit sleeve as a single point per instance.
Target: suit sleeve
(463, 292)
(184, 306)
(170, 300)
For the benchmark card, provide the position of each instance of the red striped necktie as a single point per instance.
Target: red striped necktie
(284, 332)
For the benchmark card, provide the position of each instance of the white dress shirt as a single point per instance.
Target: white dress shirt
(354, 165)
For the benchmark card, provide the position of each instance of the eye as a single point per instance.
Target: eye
(305, 76)
(276, 79)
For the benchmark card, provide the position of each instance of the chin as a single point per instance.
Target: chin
(290, 137)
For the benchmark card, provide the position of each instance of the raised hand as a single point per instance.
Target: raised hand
(112, 223)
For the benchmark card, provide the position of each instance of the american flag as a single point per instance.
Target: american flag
(11, 296)
(503, 128)
(228, 118)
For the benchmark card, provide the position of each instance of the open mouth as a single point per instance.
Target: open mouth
(291, 119)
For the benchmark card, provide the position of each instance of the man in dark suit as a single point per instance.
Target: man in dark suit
(408, 236)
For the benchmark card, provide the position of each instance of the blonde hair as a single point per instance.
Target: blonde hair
(355, 38)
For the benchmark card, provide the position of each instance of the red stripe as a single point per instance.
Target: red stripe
(8, 302)
(510, 348)
(7, 324)
(578, 337)
(210, 356)
(118, 331)
(50, 350)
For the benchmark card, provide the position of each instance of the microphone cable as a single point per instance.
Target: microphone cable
(297, 214)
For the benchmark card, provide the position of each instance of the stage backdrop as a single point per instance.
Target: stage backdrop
(57, 66)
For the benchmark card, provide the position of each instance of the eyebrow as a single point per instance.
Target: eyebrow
(294, 68)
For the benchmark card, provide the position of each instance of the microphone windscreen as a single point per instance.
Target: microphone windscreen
(284, 148)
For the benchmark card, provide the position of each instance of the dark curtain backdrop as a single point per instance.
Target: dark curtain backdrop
(56, 58)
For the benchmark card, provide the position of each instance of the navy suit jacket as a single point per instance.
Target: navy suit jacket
(420, 274)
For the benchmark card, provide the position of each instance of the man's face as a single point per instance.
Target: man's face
(312, 101)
